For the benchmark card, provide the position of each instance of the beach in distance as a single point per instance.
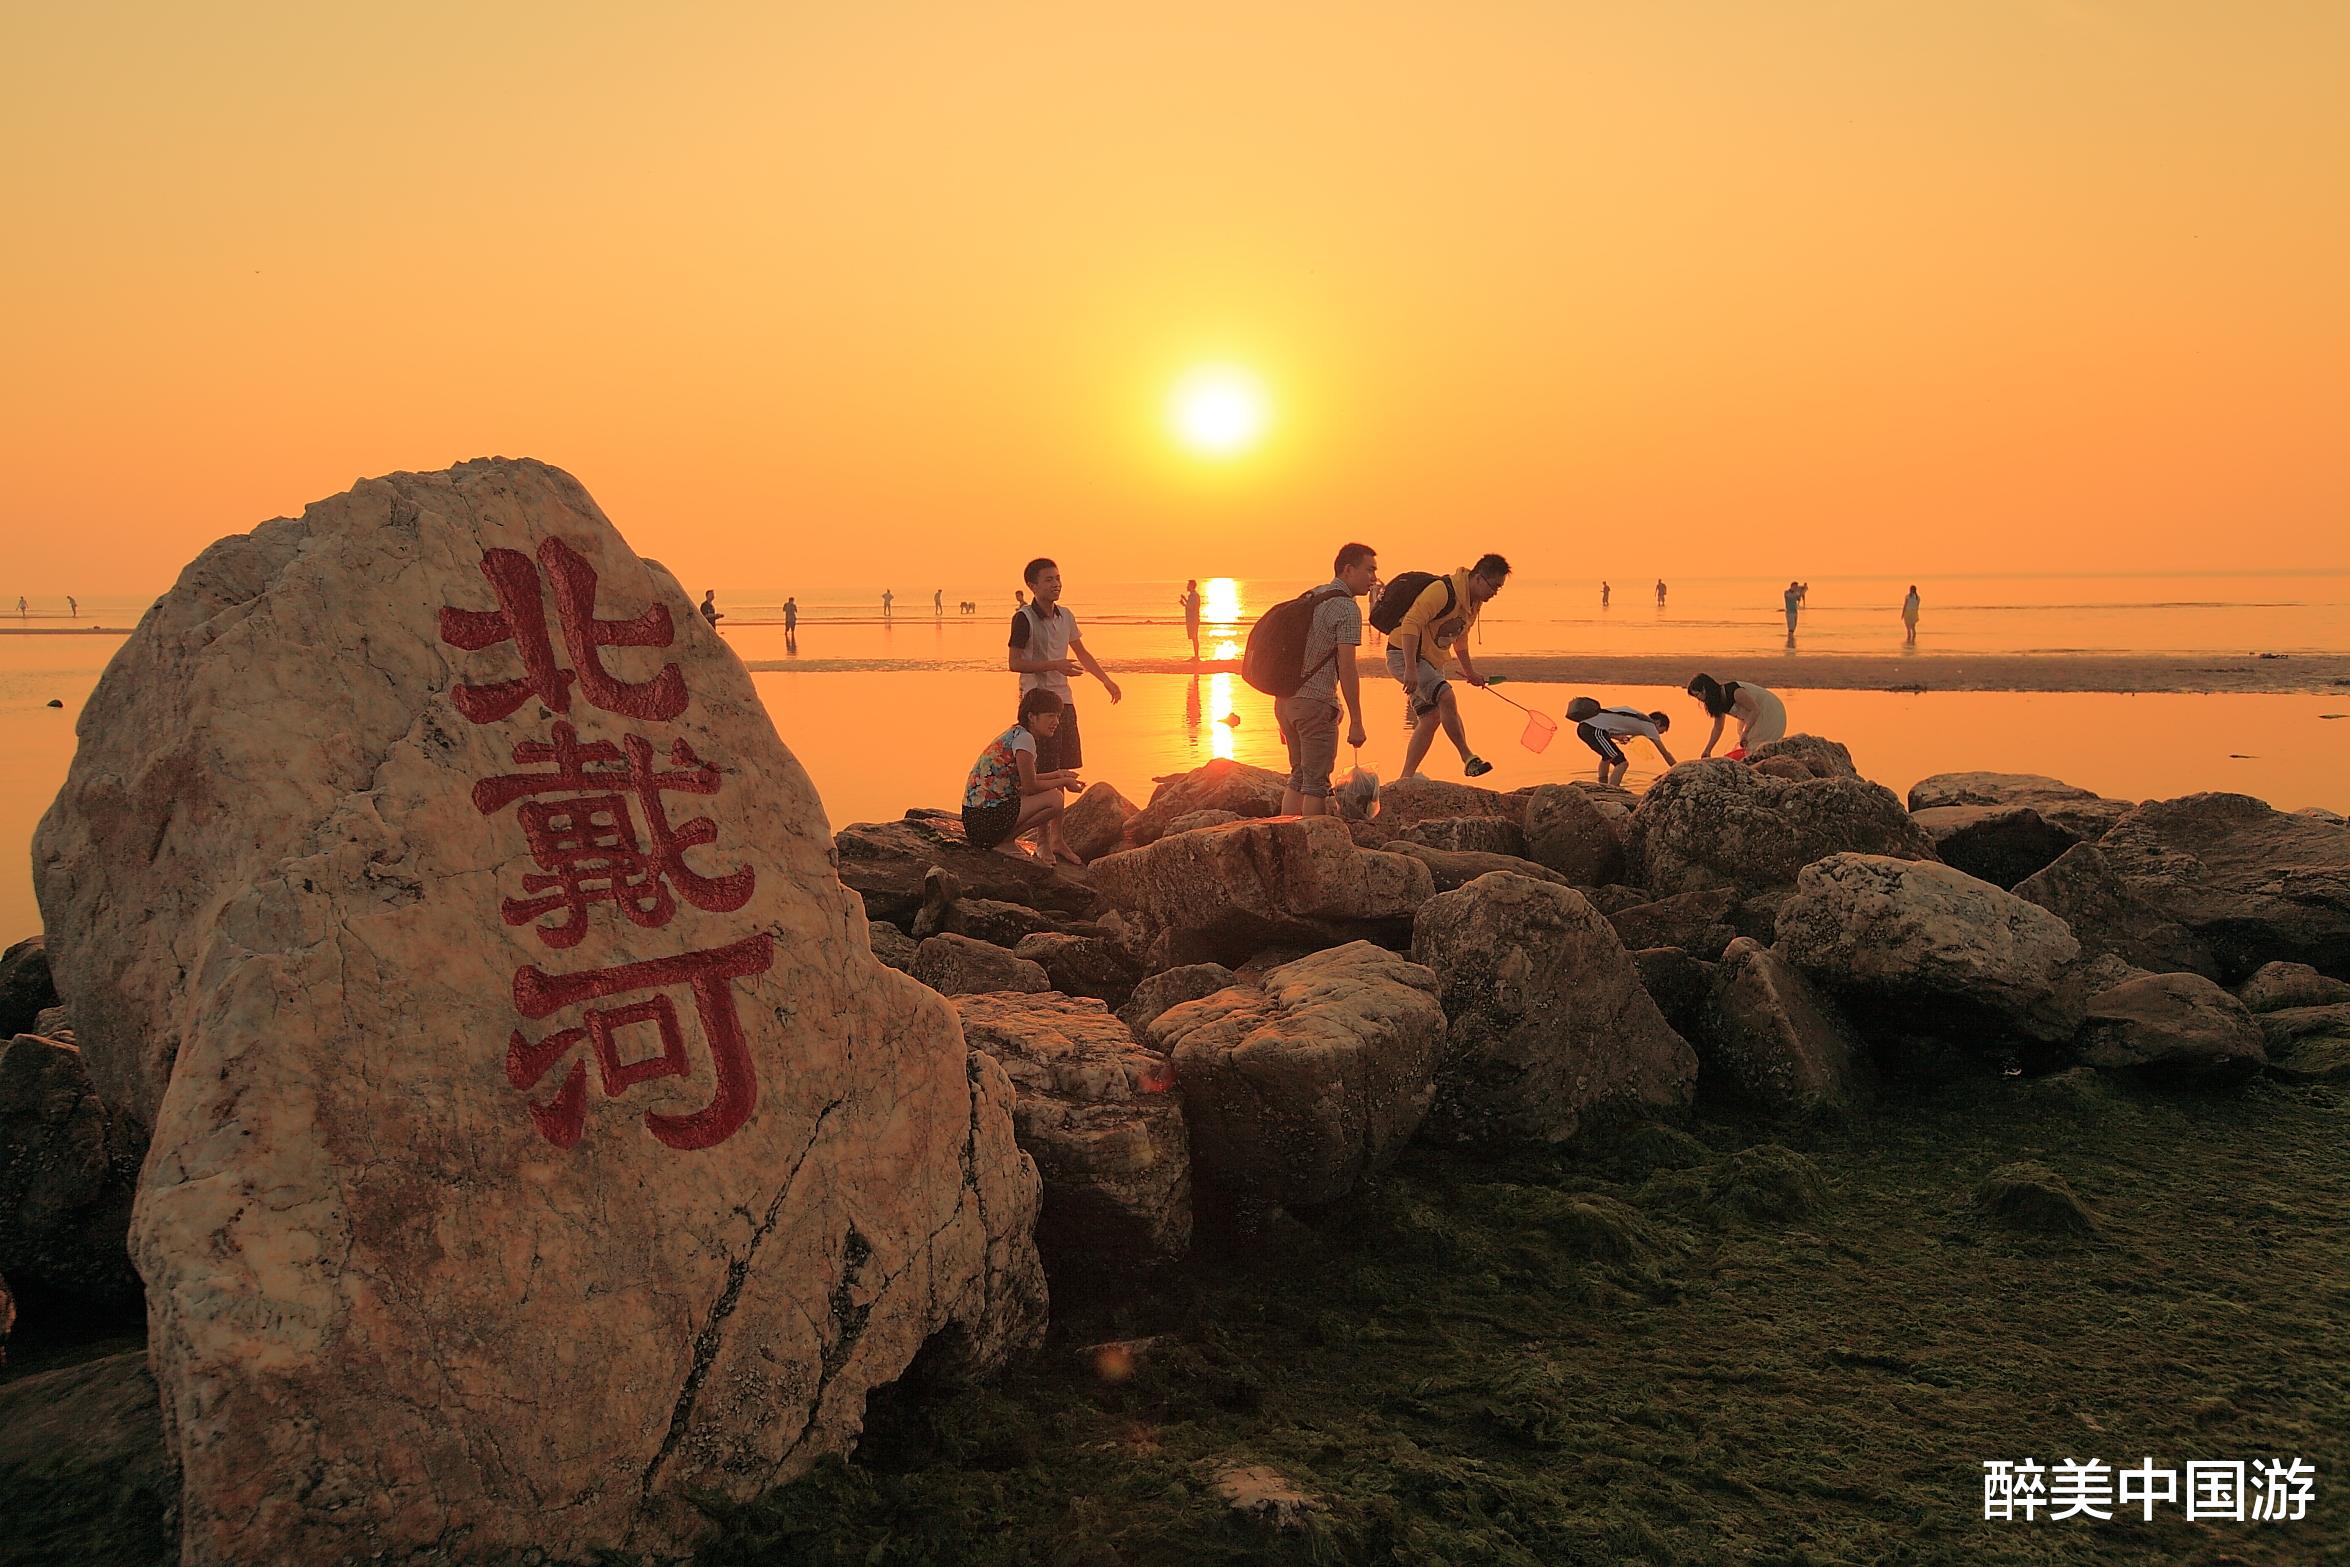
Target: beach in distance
(2123, 685)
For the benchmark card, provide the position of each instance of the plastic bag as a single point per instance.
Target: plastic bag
(1358, 797)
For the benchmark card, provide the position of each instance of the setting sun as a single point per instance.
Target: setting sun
(1218, 410)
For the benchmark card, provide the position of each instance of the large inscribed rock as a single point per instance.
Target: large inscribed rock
(536, 1141)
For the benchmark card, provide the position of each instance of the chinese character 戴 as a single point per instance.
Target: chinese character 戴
(585, 841)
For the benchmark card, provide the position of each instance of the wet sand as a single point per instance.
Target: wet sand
(2119, 673)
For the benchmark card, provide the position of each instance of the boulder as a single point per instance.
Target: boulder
(2172, 1023)
(1220, 785)
(1720, 823)
(2000, 844)
(1756, 915)
(67, 1171)
(1404, 803)
(2276, 986)
(963, 965)
(891, 945)
(53, 1023)
(1770, 1039)
(1547, 1018)
(2260, 885)
(2108, 970)
(996, 922)
(1696, 922)
(2308, 1044)
(1095, 822)
(544, 1153)
(2080, 888)
(83, 1468)
(1678, 983)
(1613, 900)
(1230, 891)
(1933, 949)
(2081, 812)
(1082, 965)
(1466, 834)
(1452, 868)
(1155, 993)
(1194, 821)
(1294, 1092)
(1098, 1114)
(1577, 832)
(26, 990)
(885, 863)
(1815, 755)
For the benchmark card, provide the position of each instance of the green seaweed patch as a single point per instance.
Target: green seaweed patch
(2027, 1195)
(1767, 1184)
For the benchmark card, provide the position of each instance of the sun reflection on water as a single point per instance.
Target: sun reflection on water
(1220, 708)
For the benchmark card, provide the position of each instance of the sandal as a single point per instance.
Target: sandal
(1476, 767)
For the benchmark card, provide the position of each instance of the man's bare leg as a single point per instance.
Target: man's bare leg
(1454, 729)
(1423, 736)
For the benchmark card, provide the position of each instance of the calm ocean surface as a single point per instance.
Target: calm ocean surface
(902, 727)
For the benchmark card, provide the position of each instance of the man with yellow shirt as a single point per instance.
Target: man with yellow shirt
(1439, 619)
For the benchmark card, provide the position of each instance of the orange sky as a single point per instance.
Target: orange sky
(801, 291)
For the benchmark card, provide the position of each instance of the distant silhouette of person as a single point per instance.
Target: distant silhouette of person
(1190, 603)
(20, 614)
(1604, 592)
(1372, 633)
(1019, 599)
(938, 603)
(75, 609)
(1909, 616)
(710, 610)
(887, 599)
(1793, 599)
(1660, 593)
(791, 625)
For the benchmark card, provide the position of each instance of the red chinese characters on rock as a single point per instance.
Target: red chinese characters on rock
(580, 805)
(585, 842)
(710, 974)
(521, 618)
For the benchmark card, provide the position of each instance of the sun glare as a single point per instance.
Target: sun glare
(1218, 410)
(1220, 603)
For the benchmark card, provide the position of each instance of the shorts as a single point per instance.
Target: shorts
(985, 826)
(1310, 726)
(1427, 690)
(1601, 741)
(1064, 749)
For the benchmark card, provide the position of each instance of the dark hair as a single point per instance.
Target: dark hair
(1661, 720)
(1491, 566)
(1037, 568)
(1713, 694)
(1351, 555)
(1038, 701)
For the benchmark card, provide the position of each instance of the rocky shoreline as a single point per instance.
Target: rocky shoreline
(318, 1075)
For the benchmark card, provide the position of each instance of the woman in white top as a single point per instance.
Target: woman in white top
(1761, 716)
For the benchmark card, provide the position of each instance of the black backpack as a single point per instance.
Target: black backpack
(1274, 659)
(1396, 599)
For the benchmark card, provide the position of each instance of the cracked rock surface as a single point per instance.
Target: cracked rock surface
(390, 1318)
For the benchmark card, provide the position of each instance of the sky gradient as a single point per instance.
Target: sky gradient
(802, 293)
